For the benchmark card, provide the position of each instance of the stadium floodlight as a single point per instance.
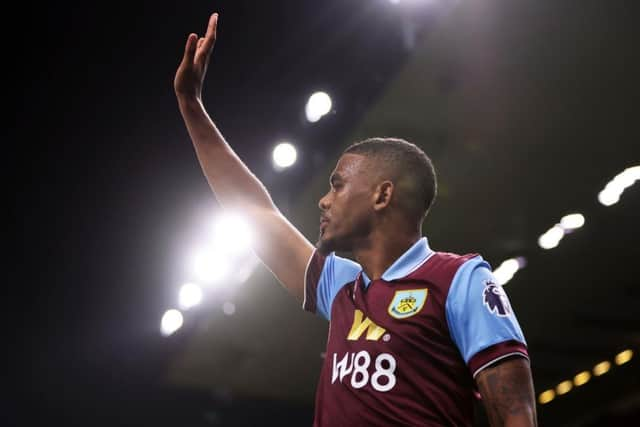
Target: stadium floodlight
(190, 295)
(284, 156)
(564, 387)
(318, 105)
(633, 172)
(229, 308)
(551, 238)
(623, 357)
(625, 179)
(245, 270)
(508, 269)
(601, 368)
(608, 197)
(232, 234)
(581, 378)
(171, 321)
(546, 396)
(572, 221)
(614, 188)
(210, 266)
(410, 2)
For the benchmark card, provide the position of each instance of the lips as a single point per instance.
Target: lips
(323, 222)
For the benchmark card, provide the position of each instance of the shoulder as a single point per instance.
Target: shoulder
(452, 260)
(444, 266)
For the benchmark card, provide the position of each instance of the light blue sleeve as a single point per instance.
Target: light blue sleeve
(478, 310)
(336, 273)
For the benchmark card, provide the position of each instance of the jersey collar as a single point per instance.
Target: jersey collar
(413, 258)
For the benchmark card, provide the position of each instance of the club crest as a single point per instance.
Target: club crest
(495, 299)
(407, 303)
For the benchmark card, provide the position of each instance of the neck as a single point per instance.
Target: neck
(380, 250)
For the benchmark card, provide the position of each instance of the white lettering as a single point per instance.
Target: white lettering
(360, 368)
(342, 367)
(384, 372)
(383, 378)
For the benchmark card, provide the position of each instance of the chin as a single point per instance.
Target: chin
(324, 246)
(327, 245)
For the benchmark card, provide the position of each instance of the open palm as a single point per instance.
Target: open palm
(197, 52)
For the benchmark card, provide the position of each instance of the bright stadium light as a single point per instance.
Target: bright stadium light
(614, 188)
(318, 105)
(171, 321)
(608, 197)
(623, 357)
(572, 221)
(581, 378)
(232, 234)
(409, 2)
(508, 269)
(229, 308)
(210, 266)
(564, 387)
(190, 295)
(284, 155)
(633, 172)
(551, 238)
(601, 368)
(625, 179)
(546, 396)
(245, 270)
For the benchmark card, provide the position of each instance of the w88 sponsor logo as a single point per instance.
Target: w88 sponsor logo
(357, 365)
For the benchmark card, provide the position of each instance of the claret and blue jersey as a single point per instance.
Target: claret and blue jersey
(403, 350)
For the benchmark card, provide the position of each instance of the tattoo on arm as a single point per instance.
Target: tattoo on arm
(507, 393)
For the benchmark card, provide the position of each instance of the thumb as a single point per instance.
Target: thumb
(190, 49)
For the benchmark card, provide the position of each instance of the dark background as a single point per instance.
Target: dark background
(527, 109)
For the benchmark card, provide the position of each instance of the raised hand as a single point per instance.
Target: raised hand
(193, 68)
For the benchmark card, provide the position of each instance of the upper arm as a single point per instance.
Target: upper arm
(484, 327)
(507, 393)
(480, 317)
(289, 256)
(282, 248)
(324, 278)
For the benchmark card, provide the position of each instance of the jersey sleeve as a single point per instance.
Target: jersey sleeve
(324, 277)
(480, 317)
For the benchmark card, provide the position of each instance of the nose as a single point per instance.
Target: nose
(324, 203)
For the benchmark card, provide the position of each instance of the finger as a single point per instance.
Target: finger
(190, 49)
(210, 36)
(200, 41)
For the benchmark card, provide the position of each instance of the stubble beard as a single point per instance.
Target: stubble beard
(325, 246)
(333, 244)
(342, 242)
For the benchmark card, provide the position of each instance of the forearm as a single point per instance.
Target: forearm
(507, 393)
(233, 184)
(283, 249)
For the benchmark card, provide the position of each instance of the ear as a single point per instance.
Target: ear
(382, 195)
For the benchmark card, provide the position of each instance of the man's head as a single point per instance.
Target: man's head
(376, 181)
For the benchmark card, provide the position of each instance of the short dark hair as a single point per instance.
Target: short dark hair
(408, 167)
